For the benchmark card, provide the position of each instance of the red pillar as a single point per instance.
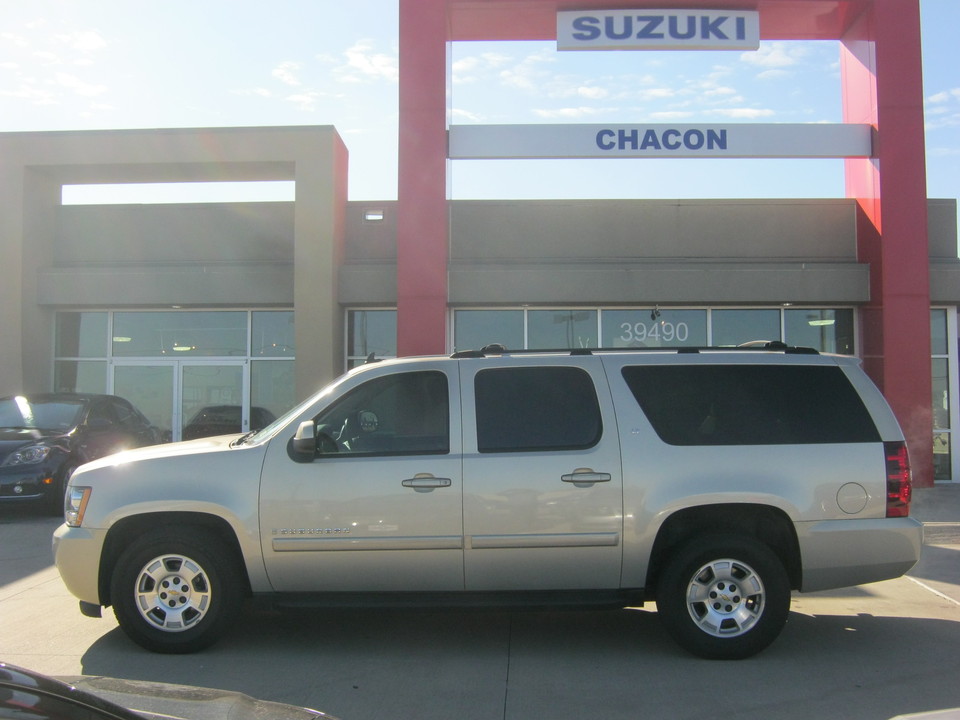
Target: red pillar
(882, 85)
(422, 224)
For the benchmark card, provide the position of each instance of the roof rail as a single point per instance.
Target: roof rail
(496, 349)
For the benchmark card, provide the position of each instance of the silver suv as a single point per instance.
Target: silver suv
(711, 481)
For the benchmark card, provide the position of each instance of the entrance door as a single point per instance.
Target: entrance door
(187, 399)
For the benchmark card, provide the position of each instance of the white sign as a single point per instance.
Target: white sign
(734, 140)
(658, 30)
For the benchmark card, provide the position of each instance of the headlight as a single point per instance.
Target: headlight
(28, 456)
(75, 504)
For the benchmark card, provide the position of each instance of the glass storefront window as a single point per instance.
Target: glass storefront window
(370, 331)
(271, 388)
(940, 375)
(80, 376)
(271, 334)
(81, 334)
(172, 365)
(653, 327)
(473, 329)
(180, 334)
(824, 330)
(561, 329)
(735, 327)
(938, 332)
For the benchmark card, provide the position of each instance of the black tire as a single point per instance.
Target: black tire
(176, 589)
(723, 597)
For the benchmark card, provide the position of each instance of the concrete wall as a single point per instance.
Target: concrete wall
(246, 255)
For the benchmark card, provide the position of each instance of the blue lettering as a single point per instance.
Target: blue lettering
(717, 140)
(630, 139)
(671, 144)
(710, 27)
(690, 32)
(646, 31)
(610, 31)
(693, 139)
(588, 28)
(650, 141)
(741, 28)
(603, 143)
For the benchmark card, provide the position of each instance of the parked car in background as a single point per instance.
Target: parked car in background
(44, 437)
(223, 420)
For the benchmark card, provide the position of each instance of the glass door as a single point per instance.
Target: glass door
(149, 386)
(187, 399)
(212, 399)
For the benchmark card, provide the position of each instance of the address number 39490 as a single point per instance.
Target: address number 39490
(658, 331)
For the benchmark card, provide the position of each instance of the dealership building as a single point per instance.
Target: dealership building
(253, 305)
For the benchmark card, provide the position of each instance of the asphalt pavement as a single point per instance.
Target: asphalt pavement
(865, 653)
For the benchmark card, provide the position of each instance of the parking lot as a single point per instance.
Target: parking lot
(867, 652)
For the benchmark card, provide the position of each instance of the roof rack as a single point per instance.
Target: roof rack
(495, 349)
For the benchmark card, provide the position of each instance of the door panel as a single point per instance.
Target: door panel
(542, 478)
(381, 508)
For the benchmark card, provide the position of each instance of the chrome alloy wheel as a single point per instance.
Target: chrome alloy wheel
(725, 598)
(172, 593)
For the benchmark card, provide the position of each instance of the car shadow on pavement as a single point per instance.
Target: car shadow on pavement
(474, 664)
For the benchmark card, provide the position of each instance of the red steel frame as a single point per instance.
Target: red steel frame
(881, 85)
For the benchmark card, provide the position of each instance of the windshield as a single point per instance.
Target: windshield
(47, 414)
(273, 428)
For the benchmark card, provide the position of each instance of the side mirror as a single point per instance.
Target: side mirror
(303, 446)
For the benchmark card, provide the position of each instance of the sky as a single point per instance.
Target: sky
(119, 64)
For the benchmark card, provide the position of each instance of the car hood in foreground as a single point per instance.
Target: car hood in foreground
(162, 700)
(28, 693)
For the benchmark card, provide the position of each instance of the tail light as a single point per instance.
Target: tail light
(899, 485)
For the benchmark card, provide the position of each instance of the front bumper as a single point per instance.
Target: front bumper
(20, 484)
(76, 553)
(843, 553)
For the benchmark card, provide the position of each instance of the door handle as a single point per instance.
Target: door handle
(426, 481)
(586, 475)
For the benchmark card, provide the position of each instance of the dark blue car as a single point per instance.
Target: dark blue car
(44, 437)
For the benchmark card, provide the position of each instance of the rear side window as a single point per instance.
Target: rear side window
(750, 404)
(536, 408)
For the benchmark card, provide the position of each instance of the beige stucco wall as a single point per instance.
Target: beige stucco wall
(251, 256)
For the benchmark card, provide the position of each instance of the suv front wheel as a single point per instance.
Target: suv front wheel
(175, 590)
(723, 596)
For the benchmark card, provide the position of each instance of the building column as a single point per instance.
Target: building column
(882, 85)
(422, 217)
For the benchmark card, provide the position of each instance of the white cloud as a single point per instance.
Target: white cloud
(78, 86)
(592, 93)
(667, 115)
(567, 113)
(775, 55)
(364, 65)
(305, 100)
(742, 113)
(286, 72)
(82, 40)
(944, 96)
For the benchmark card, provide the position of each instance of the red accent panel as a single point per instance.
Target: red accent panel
(882, 85)
(422, 226)
(537, 19)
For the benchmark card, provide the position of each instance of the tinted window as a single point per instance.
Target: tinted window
(399, 414)
(750, 404)
(542, 408)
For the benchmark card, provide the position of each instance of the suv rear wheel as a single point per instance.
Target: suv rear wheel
(175, 590)
(723, 596)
